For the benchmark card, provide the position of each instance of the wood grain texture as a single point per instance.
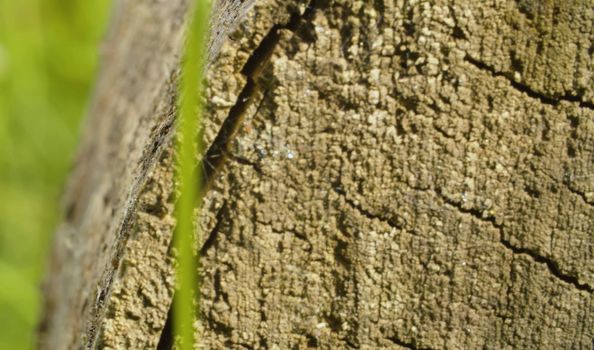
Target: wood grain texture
(398, 174)
(130, 120)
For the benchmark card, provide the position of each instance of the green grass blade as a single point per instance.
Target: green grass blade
(186, 303)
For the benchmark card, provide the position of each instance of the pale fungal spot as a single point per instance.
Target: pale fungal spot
(321, 325)
(216, 100)
(261, 151)
(374, 75)
(290, 154)
(373, 97)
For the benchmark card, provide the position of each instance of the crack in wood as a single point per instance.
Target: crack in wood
(543, 98)
(338, 189)
(551, 265)
(404, 344)
(212, 236)
(218, 152)
(580, 194)
(568, 185)
(243, 161)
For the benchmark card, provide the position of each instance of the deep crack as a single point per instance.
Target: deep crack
(551, 265)
(543, 98)
(580, 194)
(218, 152)
(212, 236)
(404, 344)
(369, 215)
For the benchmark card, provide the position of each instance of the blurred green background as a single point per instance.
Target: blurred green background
(48, 60)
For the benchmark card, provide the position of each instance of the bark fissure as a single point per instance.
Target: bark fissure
(580, 194)
(244, 161)
(543, 98)
(212, 236)
(405, 344)
(362, 183)
(552, 266)
(218, 152)
(166, 339)
(567, 184)
(366, 213)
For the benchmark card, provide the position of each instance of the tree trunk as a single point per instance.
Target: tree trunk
(387, 174)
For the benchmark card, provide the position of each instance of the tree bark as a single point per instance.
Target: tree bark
(385, 174)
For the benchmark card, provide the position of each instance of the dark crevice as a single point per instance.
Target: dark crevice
(567, 184)
(545, 99)
(166, 339)
(457, 31)
(212, 236)
(405, 344)
(243, 161)
(218, 288)
(219, 328)
(551, 265)
(471, 211)
(579, 194)
(217, 153)
(295, 233)
(366, 213)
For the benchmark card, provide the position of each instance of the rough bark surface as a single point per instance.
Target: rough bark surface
(385, 174)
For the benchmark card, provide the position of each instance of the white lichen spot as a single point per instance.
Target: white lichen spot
(321, 325)
(221, 102)
(261, 151)
(354, 50)
(373, 97)
(374, 75)
(391, 133)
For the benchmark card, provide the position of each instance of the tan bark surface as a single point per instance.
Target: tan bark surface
(387, 174)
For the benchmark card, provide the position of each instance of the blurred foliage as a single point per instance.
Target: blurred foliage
(48, 59)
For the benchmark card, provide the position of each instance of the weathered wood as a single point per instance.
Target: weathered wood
(129, 125)
(405, 175)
